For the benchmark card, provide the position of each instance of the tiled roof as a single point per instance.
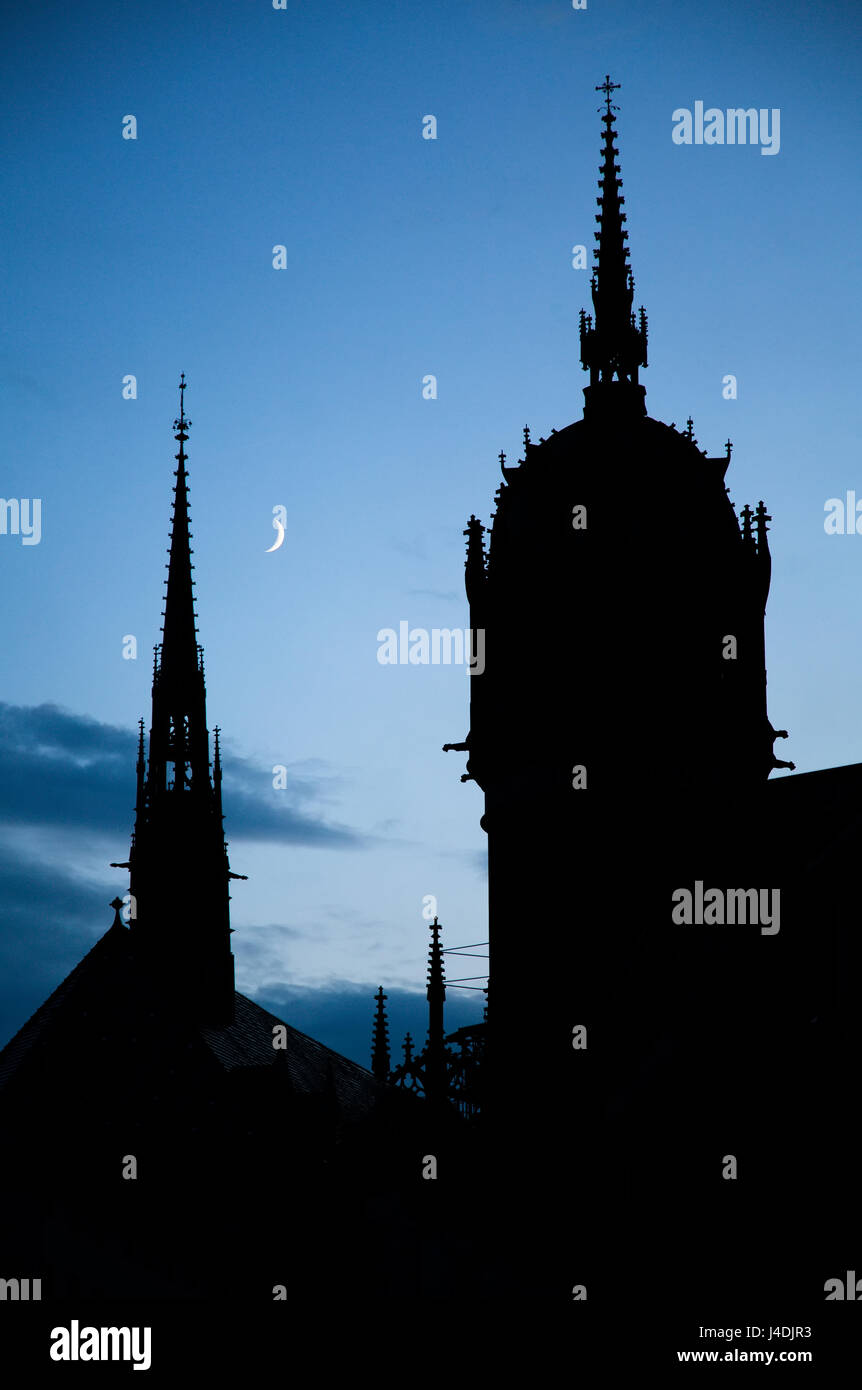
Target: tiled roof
(313, 1068)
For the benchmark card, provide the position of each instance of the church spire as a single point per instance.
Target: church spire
(615, 346)
(180, 653)
(178, 862)
(435, 1052)
(380, 1062)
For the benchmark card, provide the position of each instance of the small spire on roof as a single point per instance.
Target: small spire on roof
(380, 1062)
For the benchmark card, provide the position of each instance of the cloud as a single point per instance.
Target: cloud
(50, 919)
(341, 1014)
(67, 783)
(63, 769)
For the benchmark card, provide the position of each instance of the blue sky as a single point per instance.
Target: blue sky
(405, 257)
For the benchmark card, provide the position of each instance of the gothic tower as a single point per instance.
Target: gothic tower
(619, 730)
(179, 870)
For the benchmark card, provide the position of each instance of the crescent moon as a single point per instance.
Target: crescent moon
(276, 543)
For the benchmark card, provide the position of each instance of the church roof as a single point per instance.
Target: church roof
(44, 1023)
(108, 987)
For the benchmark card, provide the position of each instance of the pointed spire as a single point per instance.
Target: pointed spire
(380, 1063)
(435, 1052)
(436, 974)
(179, 650)
(615, 346)
(179, 864)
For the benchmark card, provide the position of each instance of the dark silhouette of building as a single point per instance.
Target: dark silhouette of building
(664, 1101)
(658, 1105)
(153, 1117)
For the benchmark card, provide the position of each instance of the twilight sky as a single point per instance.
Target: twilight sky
(302, 127)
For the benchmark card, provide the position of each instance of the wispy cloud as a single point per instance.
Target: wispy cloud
(63, 769)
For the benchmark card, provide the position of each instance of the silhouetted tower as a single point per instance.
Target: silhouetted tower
(179, 870)
(380, 1062)
(619, 727)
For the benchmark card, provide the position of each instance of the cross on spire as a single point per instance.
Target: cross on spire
(607, 87)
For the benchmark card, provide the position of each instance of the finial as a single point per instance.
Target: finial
(607, 87)
(502, 457)
(182, 425)
(526, 438)
(728, 446)
(761, 516)
(116, 904)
